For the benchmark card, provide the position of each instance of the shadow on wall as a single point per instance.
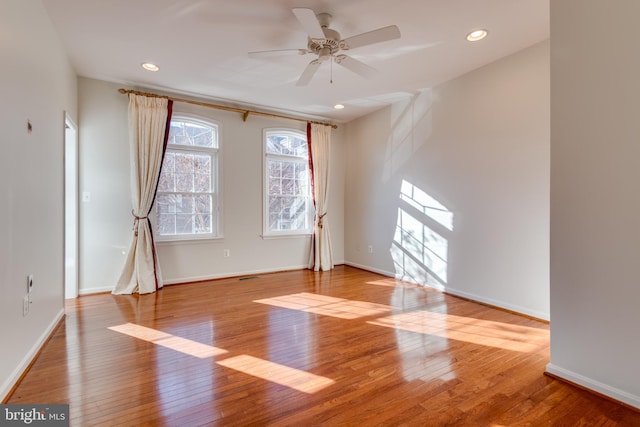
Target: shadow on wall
(421, 241)
(423, 226)
(411, 128)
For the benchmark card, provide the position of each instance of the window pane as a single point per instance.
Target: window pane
(287, 213)
(202, 178)
(288, 169)
(202, 223)
(184, 182)
(275, 186)
(202, 164)
(287, 144)
(166, 224)
(295, 178)
(165, 203)
(287, 182)
(300, 188)
(300, 146)
(273, 144)
(168, 163)
(187, 185)
(301, 170)
(184, 163)
(185, 204)
(203, 204)
(275, 215)
(288, 186)
(275, 168)
(194, 134)
(202, 184)
(296, 212)
(273, 221)
(184, 224)
(203, 137)
(167, 182)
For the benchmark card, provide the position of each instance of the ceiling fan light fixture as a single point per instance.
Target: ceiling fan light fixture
(324, 53)
(150, 67)
(477, 35)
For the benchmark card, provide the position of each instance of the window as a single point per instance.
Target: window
(187, 202)
(288, 207)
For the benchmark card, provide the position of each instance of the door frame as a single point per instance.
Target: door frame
(71, 211)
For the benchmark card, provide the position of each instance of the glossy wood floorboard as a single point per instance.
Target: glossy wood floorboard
(339, 348)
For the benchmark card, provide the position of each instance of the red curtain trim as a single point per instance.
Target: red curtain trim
(311, 175)
(167, 127)
(313, 192)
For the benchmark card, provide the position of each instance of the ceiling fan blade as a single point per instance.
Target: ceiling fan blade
(376, 36)
(307, 18)
(277, 52)
(308, 73)
(356, 66)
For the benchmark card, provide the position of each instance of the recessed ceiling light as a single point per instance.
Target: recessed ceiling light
(338, 106)
(150, 67)
(476, 35)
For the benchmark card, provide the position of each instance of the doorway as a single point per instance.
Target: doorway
(70, 208)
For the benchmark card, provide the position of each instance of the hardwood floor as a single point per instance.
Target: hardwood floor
(345, 347)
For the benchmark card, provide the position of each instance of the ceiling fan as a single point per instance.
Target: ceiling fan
(327, 44)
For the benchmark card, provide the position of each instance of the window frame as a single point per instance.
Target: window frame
(216, 182)
(266, 231)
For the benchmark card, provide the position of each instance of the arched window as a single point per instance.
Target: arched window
(187, 203)
(288, 207)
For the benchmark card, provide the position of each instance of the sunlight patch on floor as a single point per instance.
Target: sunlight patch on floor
(468, 329)
(394, 283)
(328, 306)
(183, 345)
(280, 374)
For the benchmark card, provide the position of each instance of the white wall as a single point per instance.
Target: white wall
(595, 196)
(106, 220)
(479, 146)
(38, 85)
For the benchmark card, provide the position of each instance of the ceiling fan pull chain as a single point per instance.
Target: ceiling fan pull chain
(331, 71)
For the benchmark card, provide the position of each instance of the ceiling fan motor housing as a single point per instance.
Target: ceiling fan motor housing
(324, 48)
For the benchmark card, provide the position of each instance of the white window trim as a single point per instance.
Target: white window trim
(217, 229)
(266, 233)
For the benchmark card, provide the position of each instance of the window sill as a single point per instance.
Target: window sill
(189, 241)
(285, 236)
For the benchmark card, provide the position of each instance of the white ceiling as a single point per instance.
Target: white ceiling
(202, 45)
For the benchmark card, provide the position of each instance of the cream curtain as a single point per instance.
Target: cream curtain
(321, 255)
(148, 123)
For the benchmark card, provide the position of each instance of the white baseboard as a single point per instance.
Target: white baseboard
(500, 304)
(189, 279)
(596, 386)
(13, 379)
(89, 291)
(373, 270)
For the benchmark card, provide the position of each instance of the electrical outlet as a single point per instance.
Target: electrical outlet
(25, 305)
(227, 253)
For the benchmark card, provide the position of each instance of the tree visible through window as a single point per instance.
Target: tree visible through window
(287, 185)
(186, 203)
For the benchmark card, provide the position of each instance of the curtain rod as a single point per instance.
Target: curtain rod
(245, 113)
